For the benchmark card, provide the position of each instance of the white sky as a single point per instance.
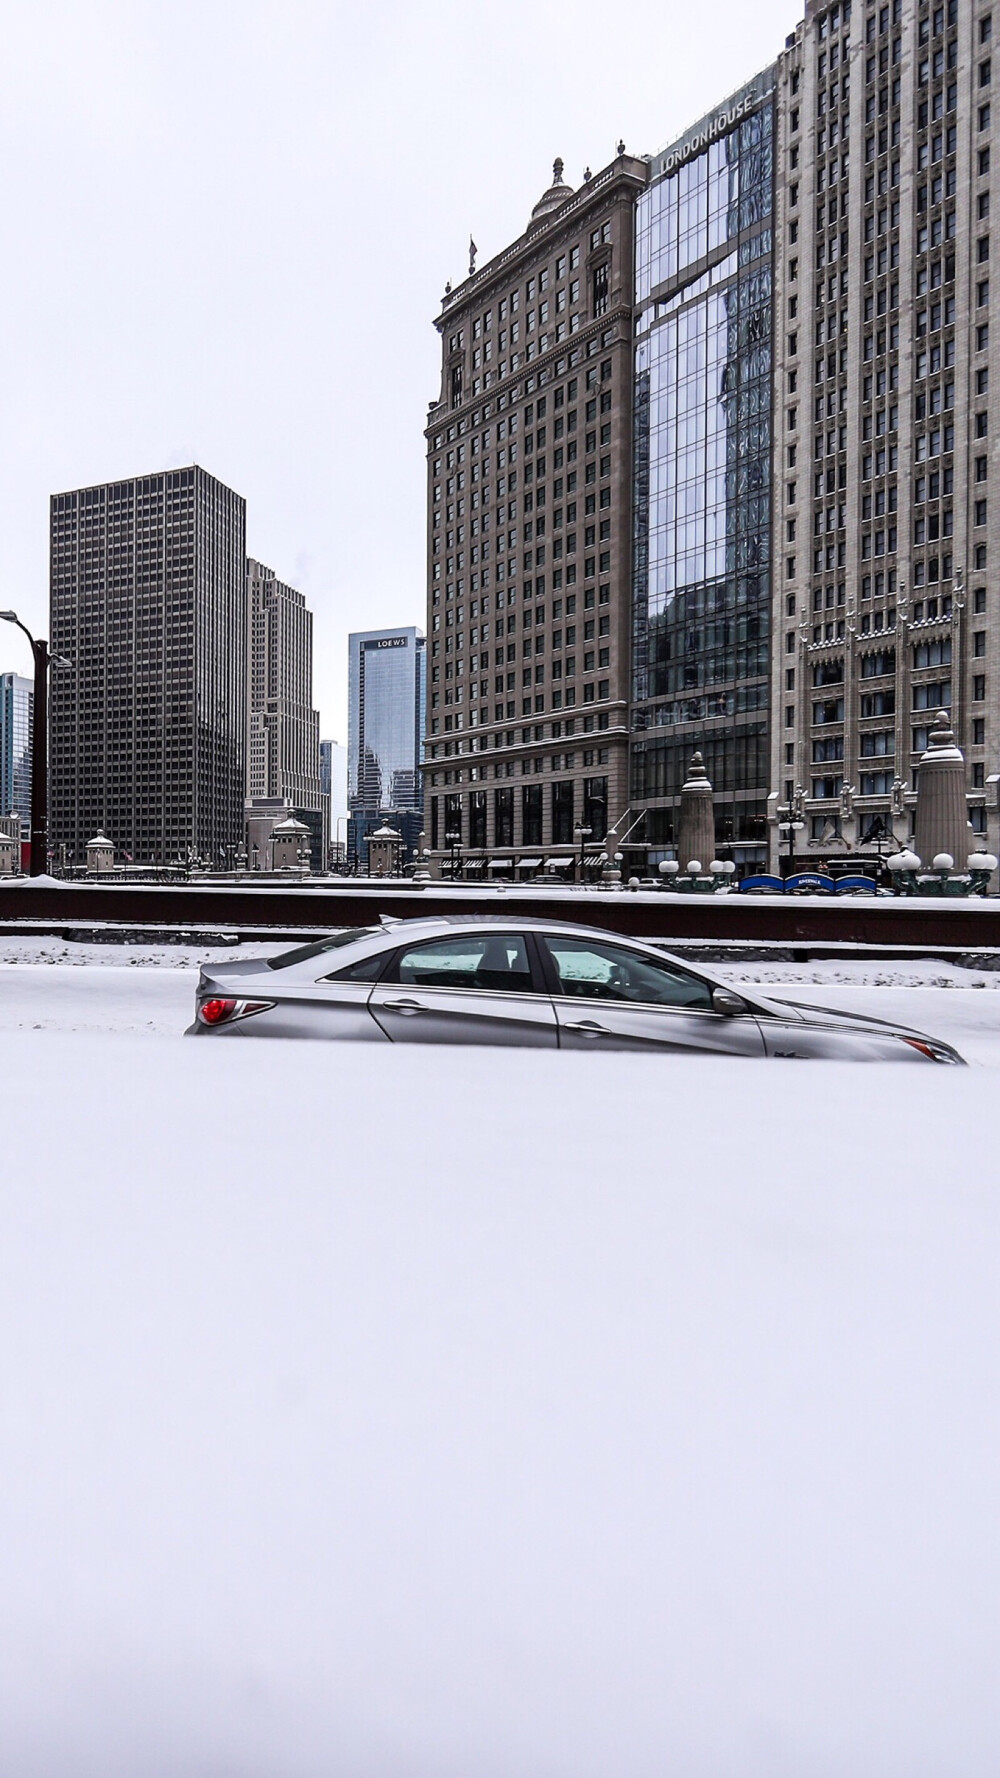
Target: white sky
(225, 228)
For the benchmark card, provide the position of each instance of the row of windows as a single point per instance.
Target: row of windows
(535, 286)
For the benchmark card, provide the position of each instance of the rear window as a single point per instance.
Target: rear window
(320, 946)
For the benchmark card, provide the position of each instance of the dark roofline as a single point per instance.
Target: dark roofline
(625, 168)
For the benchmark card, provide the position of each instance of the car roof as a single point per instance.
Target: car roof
(401, 929)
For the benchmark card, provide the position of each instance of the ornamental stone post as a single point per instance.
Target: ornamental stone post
(696, 822)
(942, 818)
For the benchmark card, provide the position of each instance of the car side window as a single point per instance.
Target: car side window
(592, 970)
(366, 969)
(489, 962)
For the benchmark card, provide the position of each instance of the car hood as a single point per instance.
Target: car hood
(808, 1014)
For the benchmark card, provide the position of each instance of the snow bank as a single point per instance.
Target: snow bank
(402, 1412)
(42, 881)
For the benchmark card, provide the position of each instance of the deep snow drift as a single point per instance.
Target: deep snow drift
(410, 1413)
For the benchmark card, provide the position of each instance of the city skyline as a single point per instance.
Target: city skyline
(697, 299)
(274, 397)
(803, 437)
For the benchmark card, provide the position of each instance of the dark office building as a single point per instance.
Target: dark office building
(529, 489)
(148, 727)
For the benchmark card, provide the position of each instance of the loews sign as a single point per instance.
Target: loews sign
(388, 642)
(719, 123)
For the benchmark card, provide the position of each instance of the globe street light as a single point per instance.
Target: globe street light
(584, 835)
(39, 743)
(454, 840)
(790, 822)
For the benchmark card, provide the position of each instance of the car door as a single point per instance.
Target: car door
(470, 987)
(332, 1004)
(607, 996)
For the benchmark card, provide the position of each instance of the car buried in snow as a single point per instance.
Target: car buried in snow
(526, 982)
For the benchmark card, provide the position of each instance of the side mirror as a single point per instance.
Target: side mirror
(727, 1002)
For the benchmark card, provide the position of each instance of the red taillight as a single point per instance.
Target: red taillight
(215, 1012)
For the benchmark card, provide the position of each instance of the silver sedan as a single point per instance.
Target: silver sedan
(524, 982)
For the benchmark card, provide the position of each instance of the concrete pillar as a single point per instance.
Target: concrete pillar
(696, 822)
(942, 818)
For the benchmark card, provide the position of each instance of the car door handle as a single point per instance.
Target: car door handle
(588, 1028)
(404, 1006)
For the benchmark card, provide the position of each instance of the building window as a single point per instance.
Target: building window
(477, 818)
(562, 813)
(600, 289)
(531, 814)
(503, 816)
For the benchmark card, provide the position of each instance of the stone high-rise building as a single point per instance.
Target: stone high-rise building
(147, 729)
(887, 533)
(529, 489)
(283, 744)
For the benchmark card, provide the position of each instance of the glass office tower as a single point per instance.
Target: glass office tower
(17, 698)
(386, 693)
(702, 469)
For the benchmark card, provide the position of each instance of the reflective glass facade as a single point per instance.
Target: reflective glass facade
(16, 704)
(386, 702)
(702, 519)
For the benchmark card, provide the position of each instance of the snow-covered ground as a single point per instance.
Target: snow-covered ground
(396, 1411)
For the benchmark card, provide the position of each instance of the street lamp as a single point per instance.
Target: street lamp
(341, 857)
(878, 830)
(583, 834)
(421, 856)
(454, 840)
(790, 822)
(39, 743)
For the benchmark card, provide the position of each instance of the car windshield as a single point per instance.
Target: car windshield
(303, 953)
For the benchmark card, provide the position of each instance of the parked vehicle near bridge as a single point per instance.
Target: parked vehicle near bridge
(525, 982)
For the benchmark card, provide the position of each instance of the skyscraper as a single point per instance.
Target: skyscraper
(17, 697)
(885, 394)
(148, 600)
(333, 785)
(529, 490)
(283, 745)
(385, 719)
(702, 513)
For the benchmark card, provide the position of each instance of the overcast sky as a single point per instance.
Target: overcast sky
(225, 228)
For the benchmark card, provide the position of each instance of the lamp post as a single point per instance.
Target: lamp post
(790, 822)
(454, 840)
(336, 840)
(583, 834)
(39, 743)
(878, 831)
(421, 874)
